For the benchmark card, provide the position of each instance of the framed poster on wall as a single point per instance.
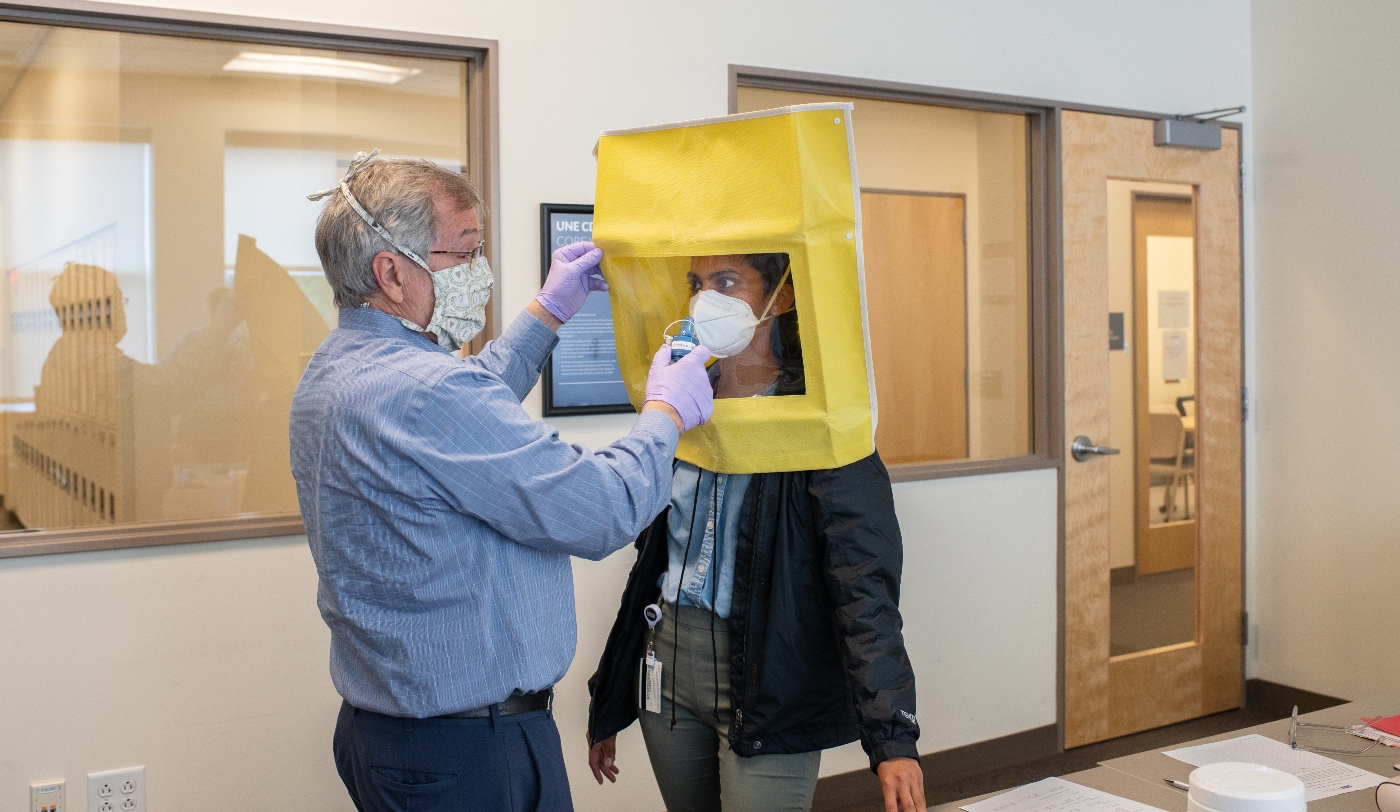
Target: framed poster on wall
(582, 376)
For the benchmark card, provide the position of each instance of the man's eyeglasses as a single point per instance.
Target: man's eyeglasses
(1296, 726)
(465, 256)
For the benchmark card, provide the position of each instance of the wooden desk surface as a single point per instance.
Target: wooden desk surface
(1140, 777)
(1155, 766)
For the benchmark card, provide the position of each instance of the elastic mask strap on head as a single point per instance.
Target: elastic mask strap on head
(356, 164)
(771, 299)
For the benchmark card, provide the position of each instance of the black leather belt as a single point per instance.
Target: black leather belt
(512, 705)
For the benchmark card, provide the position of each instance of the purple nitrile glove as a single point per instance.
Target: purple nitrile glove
(684, 385)
(573, 274)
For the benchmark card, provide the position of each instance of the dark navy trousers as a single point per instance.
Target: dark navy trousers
(507, 763)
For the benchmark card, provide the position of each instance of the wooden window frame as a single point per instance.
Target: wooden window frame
(483, 165)
(1043, 238)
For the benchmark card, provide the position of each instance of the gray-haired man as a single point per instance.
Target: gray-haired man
(441, 517)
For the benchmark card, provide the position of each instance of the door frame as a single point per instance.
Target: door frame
(1047, 286)
(1105, 148)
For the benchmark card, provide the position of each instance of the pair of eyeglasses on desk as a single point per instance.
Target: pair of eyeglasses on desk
(1296, 726)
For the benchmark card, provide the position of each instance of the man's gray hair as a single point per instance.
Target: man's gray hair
(399, 195)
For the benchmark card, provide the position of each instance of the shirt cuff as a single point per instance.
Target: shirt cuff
(529, 336)
(655, 423)
(892, 749)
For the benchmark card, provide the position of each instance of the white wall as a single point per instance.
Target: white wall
(206, 663)
(1325, 540)
(236, 681)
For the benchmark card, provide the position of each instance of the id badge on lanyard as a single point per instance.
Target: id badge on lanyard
(649, 675)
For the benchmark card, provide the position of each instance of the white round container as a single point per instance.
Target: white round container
(1388, 795)
(1234, 786)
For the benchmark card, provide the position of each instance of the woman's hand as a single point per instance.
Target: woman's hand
(902, 780)
(602, 760)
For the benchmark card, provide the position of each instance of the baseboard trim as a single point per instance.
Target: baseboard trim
(838, 792)
(1280, 699)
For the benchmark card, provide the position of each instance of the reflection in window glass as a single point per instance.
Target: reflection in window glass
(163, 294)
(744, 308)
(945, 216)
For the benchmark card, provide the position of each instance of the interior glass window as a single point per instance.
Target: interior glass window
(163, 293)
(945, 223)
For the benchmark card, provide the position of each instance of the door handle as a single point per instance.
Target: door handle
(1082, 447)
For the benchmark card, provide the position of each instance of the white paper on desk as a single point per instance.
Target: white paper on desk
(1057, 795)
(1322, 777)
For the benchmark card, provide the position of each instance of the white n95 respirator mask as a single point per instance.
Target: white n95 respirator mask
(460, 294)
(724, 324)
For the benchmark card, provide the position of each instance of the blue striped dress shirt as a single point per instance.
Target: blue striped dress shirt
(441, 517)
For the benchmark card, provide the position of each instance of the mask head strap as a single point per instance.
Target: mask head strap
(771, 299)
(356, 164)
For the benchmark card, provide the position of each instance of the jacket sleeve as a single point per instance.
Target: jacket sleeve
(612, 690)
(864, 555)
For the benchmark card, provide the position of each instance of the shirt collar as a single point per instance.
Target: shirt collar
(378, 323)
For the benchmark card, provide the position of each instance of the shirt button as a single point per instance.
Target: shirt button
(701, 569)
(758, 745)
(710, 526)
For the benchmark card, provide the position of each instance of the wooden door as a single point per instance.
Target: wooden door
(916, 295)
(1108, 696)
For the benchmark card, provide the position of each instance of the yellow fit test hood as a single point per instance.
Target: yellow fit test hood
(776, 181)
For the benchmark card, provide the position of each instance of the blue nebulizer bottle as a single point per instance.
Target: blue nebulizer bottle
(683, 342)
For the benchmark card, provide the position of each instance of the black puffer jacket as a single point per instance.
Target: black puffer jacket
(817, 655)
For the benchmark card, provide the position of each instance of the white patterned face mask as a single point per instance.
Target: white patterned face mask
(460, 294)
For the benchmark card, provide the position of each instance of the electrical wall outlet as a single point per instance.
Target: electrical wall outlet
(47, 797)
(117, 790)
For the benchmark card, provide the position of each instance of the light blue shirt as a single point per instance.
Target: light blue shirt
(441, 517)
(700, 546)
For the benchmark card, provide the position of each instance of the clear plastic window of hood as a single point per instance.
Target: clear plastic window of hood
(744, 311)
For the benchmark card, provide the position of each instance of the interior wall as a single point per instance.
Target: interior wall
(245, 646)
(1171, 268)
(205, 663)
(1327, 197)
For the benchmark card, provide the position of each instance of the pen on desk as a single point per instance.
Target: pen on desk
(1178, 784)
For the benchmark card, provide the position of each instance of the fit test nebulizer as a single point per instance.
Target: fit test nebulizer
(683, 342)
(1232, 786)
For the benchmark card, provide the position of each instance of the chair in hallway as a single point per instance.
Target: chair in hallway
(1167, 457)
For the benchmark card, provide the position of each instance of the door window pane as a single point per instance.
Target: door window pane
(1151, 363)
(162, 291)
